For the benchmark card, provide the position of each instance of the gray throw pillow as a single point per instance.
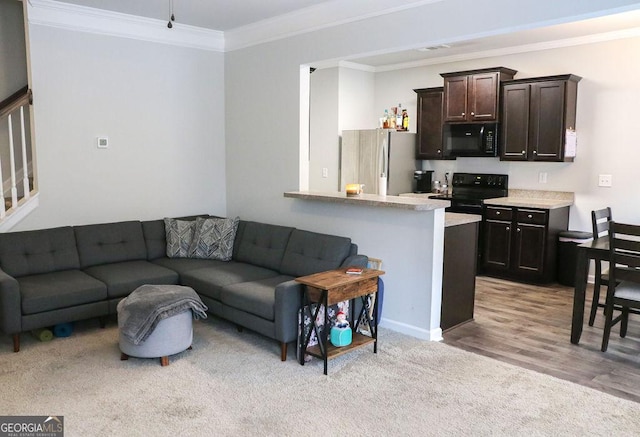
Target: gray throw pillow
(213, 238)
(179, 235)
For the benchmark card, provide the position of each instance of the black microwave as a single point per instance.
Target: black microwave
(479, 139)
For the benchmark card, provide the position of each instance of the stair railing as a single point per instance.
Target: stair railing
(18, 100)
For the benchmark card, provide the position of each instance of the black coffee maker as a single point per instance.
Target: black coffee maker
(422, 181)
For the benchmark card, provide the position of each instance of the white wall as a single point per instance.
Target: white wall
(13, 61)
(266, 77)
(162, 108)
(323, 129)
(607, 142)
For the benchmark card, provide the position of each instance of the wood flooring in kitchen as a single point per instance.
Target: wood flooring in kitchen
(530, 326)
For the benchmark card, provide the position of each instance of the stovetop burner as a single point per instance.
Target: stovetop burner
(468, 190)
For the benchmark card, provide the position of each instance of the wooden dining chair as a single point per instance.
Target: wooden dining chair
(600, 222)
(624, 277)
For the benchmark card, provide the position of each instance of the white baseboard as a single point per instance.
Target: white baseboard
(414, 331)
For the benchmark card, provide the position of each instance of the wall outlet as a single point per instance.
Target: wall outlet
(325, 172)
(542, 177)
(604, 180)
(102, 142)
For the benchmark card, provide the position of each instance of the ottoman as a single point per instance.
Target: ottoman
(170, 336)
(155, 321)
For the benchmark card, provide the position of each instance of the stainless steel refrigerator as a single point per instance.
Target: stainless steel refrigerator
(365, 155)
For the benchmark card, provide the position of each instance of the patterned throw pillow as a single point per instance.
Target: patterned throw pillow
(179, 235)
(213, 238)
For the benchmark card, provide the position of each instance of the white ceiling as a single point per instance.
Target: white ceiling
(234, 15)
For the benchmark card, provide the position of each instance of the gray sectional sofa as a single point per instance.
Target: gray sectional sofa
(65, 274)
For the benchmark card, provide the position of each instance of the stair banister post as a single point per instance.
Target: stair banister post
(26, 191)
(12, 164)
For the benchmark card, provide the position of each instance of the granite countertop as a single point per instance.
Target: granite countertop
(534, 199)
(407, 203)
(455, 219)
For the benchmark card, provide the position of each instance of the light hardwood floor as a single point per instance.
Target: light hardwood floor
(530, 326)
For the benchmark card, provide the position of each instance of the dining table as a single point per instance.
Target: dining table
(597, 249)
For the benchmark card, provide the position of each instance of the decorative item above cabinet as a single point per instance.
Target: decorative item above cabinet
(473, 96)
(539, 119)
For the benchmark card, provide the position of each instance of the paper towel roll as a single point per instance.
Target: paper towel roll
(43, 334)
(382, 186)
(63, 329)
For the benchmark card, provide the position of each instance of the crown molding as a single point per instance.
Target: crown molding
(97, 21)
(313, 18)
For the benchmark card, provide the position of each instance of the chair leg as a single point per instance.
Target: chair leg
(283, 351)
(124, 357)
(624, 322)
(164, 361)
(595, 301)
(16, 342)
(608, 316)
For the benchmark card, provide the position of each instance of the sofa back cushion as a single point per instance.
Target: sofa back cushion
(310, 252)
(36, 252)
(110, 243)
(155, 239)
(261, 244)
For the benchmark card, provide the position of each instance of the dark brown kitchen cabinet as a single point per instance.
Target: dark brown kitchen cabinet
(536, 114)
(429, 123)
(520, 243)
(473, 96)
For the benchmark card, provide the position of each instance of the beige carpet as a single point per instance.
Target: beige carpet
(234, 384)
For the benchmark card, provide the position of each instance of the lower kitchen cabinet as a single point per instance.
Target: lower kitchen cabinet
(521, 243)
(459, 274)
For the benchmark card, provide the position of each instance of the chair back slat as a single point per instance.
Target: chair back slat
(600, 221)
(624, 243)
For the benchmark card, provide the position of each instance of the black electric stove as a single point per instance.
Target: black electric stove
(469, 190)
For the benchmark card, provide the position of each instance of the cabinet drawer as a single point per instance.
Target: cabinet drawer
(493, 213)
(530, 216)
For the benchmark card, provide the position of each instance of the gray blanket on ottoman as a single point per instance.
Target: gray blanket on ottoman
(147, 305)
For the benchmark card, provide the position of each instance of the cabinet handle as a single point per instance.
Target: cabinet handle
(529, 216)
(473, 113)
(463, 113)
(497, 212)
(508, 228)
(518, 229)
(439, 151)
(524, 152)
(535, 152)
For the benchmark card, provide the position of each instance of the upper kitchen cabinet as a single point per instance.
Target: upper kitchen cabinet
(429, 124)
(472, 96)
(536, 115)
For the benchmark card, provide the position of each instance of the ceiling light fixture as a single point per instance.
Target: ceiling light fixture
(171, 17)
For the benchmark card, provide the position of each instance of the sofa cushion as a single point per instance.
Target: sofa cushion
(181, 265)
(122, 278)
(52, 291)
(179, 234)
(155, 238)
(263, 244)
(209, 281)
(310, 252)
(35, 252)
(110, 243)
(255, 297)
(213, 238)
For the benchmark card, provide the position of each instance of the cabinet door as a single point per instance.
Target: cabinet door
(429, 124)
(455, 98)
(497, 245)
(514, 138)
(529, 252)
(483, 97)
(547, 116)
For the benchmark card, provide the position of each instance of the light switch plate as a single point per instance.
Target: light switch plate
(103, 142)
(325, 172)
(604, 180)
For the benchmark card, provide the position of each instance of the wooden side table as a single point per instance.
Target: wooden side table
(328, 288)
